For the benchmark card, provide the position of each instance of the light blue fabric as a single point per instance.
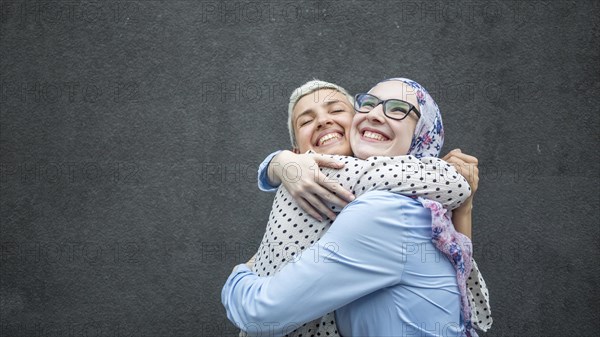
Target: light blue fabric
(263, 180)
(376, 265)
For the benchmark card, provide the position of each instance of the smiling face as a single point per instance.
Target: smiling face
(322, 121)
(373, 134)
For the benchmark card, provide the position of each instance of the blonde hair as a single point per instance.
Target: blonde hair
(306, 89)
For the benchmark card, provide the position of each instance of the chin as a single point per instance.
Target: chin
(365, 152)
(362, 154)
(340, 150)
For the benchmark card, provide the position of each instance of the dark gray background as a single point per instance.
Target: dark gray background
(131, 133)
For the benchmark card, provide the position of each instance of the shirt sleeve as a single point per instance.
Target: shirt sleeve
(359, 254)
(263, 179)
(428, 177)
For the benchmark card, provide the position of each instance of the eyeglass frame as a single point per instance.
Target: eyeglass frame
(412, 107)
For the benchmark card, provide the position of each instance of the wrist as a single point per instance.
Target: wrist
(275, 169)
(282, 158)
(466, 208)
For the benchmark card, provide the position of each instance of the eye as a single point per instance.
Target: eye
(305, 122)
(337, 111)
(398, 109)
(367, 105)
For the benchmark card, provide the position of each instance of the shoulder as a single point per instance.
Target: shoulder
(375, 216)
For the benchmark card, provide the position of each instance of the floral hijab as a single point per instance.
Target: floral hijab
(429, 132)
(427, 141)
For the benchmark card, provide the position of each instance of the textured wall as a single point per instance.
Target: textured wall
(131, 131)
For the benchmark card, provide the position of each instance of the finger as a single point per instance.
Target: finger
(448, 155)
(328, 162)
(475, 178)
(459, 154)
(317, 203)
(471, 172)
(463, 168)
(329, 196)
(309, 209)
(452, 152)
(456, 162)
(334, 187)
(467, 158)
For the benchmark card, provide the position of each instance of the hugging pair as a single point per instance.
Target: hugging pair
(392, 262)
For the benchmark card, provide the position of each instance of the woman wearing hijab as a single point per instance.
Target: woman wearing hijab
(249, 298)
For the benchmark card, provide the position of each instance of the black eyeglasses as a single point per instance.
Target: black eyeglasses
(392, 108)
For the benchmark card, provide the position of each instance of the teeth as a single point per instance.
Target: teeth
(373, 135)
(328, 137)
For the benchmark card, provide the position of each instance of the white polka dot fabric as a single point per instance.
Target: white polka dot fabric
(477, 291)
(290, 230)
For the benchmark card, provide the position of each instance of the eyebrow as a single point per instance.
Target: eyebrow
(327, 103)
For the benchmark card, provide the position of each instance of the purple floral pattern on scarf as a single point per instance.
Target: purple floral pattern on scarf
(427, 142)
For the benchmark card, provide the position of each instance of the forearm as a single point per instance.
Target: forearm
(265, 176)
(429, 177)
(275, 169)
(462, 219)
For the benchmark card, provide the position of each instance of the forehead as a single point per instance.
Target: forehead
(317, 99)
(397, 90)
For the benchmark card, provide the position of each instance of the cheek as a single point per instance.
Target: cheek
(403, 138)
(353, 132)
(345, 121)
(303, 136)
(357, 119)
(408, 135)
(407, 141)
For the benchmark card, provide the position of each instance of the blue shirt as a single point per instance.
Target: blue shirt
(376, 265)
(263, 180)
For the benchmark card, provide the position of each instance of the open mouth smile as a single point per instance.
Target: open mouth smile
(373, 136)
(329, 138)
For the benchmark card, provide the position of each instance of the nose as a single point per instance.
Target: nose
(376, 115)
(323, 119)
